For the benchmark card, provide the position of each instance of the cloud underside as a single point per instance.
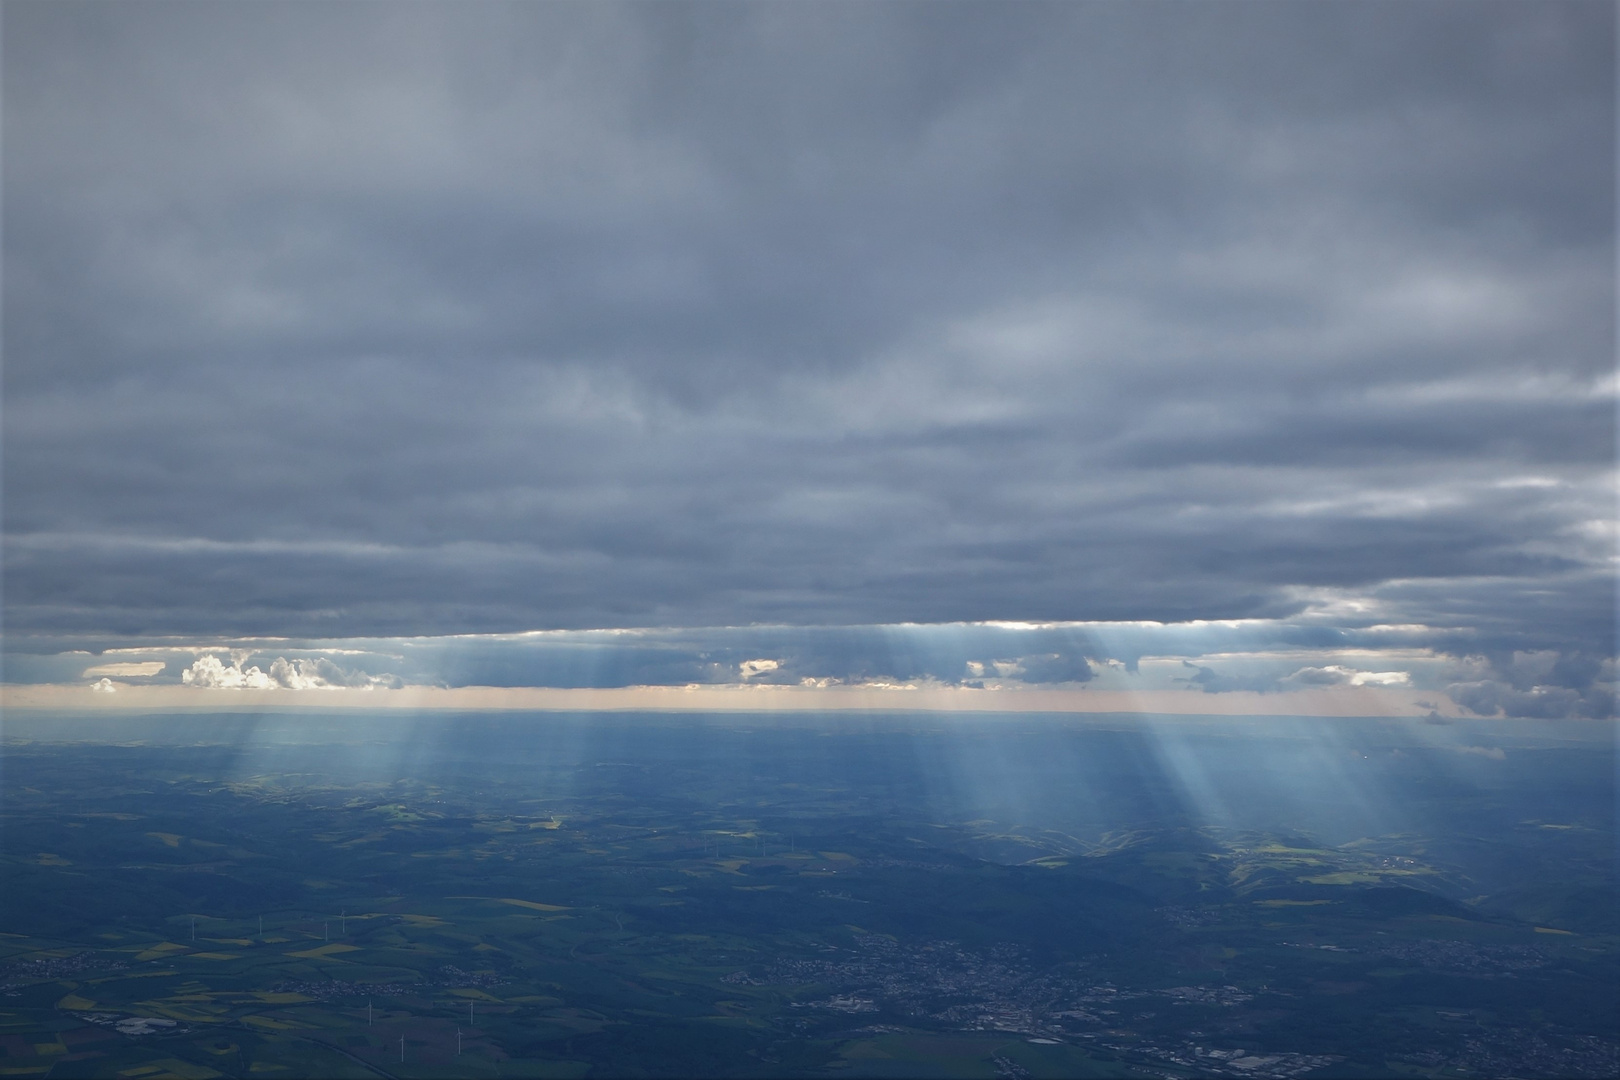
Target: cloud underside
(353, 324)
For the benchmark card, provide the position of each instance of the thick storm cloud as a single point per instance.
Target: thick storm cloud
(327, 321)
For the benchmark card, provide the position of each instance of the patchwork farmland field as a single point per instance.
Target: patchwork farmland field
(654, 896)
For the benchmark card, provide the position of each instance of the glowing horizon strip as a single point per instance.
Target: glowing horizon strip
(1327, 702)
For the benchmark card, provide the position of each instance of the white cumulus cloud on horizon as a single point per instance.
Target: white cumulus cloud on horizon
(210, 672)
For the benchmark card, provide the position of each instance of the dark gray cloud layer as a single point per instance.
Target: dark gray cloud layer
(329, 320)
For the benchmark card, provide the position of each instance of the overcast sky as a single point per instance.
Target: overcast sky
(388, 321)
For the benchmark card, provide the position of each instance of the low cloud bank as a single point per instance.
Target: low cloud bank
(127, 669)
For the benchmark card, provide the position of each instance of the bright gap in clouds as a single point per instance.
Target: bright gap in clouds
(1258, 666)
